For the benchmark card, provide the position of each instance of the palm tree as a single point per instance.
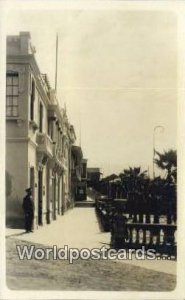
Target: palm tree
(134, 185)
(132, 177)
(167, 161)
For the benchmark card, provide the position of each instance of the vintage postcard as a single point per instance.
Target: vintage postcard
(92, 149)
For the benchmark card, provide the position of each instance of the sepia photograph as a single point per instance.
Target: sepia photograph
(91, 141)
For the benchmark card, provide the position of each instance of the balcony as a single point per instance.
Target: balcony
(59, 157)
(76, 174)
(52, 111)
(45, 144)
(57, 154)
(64, 163)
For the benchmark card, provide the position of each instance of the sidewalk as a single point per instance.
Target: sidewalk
(79, 228)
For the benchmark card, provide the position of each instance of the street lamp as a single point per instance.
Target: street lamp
(154, 132)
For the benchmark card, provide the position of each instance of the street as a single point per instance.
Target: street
(79, 228)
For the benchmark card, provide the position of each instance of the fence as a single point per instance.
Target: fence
(156, 232)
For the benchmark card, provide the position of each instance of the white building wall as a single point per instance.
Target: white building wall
(22, 148)
(17, 172)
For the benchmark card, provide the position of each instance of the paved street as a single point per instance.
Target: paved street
(79, 228)
(82, 275)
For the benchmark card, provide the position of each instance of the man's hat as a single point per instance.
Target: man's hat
(28, 190)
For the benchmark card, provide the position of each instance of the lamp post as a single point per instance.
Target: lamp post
(154, 132)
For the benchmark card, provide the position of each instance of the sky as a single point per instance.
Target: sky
(117, 74)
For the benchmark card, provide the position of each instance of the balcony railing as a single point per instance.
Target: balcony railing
(135, 233)
(161, 237)
(59, 157)
(45, 144)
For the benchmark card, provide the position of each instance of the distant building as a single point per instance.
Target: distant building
(82, 189)
(93, 176)
(78, 174)
(39, 138)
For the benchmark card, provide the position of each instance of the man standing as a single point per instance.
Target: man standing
(28, 207)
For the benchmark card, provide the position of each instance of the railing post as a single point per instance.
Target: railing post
(119, 228)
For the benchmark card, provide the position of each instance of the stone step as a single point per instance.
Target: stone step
(84, 204)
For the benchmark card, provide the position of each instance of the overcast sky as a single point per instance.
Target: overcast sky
(117, 74)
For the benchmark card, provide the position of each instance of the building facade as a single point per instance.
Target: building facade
(79, 174)
(39, 138)
(93, 176)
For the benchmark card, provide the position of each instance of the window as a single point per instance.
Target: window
(12, 93)
(50, 128)
(32, 100)
(84, 170)
(40, 117)
(81, 191)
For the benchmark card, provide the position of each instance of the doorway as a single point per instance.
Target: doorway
(54, 198)
(32, 181)
(59, 206)
(40, 183)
